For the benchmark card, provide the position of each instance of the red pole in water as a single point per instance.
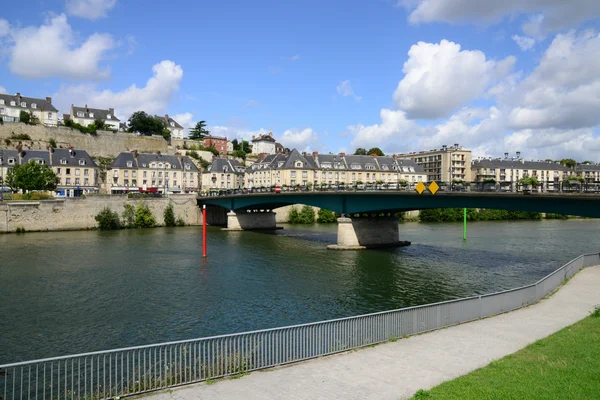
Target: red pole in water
(204, 230)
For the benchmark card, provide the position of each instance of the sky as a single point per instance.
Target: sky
(325, 75)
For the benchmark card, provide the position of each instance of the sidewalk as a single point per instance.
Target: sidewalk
(397, 370)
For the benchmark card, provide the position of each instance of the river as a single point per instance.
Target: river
(70, 292)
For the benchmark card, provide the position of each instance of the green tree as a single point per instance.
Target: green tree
(199, 131)
(239, 153)
(529, 181)
(375, 150)
(32, 176)
(52, 142)
(236, 144)
(128, 215)
(326, 216)
(360, 152)
(146, 124)
(245, 147)
(568, 162)
(108, 220)
(169, 216)
(24, 117)
(144, 217)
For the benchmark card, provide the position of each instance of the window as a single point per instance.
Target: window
(81, 162)
(126, 182)
(304, 174)
(68, 171)
(154, 174)
(108, 116)
(129, 164)
(355, 166)
(50, 115)
(160, 165)
(1, 101)
(63, 161)
(33, 105)
(80, 113)
(58, 171)
(77, 172)
(11, 161)
(326, 165)
(116, 174)
(133, 174)
(1, 111)
(330, 175)
(91, 115)
(172, 124)
(144, 165)
(126, 174)
(77, 181)
(13, 103)
(85, 172)
(23, 104)
(68, 181)
(86, 181)
(299, 164)
(385, 168)
(293, 174)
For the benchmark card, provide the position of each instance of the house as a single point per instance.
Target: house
(219, 143)
(77, 171)
(224, 173)
(173, 126)
(42, 109)
(85, 116)
(263, 144)
(301, 169)
(229, 147)
(589, 172)
(155, 173)
(450, 163)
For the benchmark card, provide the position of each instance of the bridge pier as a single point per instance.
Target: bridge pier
(367, 233)
(251, 220)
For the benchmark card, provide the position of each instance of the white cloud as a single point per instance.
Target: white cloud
(556, 14)
(4, 28)
(563, 92)
(300, 139)
(251, 103)
(524, 42)
(152, 98)
(52, 50)
(90, 9)
(393, 129)
(295, 58)
(344, 88)
(185, 119)
(440, 78)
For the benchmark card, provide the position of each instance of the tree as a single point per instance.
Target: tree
(107, 220)
(144, 217)
(360, 152)
(568, 162)
(198, 132)
(375, 150)
(245, 147)
(24, 117)
(32, 176)
(239, 154)
(236, 144)
(129, 215)
(146, 124)
(169, 216)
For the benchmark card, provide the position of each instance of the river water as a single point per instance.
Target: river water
(70, 292)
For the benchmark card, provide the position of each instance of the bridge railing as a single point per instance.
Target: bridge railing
(476, 187)
(135, 370)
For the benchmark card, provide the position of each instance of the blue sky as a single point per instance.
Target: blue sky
(325, 75)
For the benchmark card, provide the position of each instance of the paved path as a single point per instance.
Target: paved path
(397, 370)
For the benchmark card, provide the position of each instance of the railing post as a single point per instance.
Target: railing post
(480, 308)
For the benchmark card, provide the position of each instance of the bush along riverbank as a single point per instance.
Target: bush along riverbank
(135, 217)
(306, 215)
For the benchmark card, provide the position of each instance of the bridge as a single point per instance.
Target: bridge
(250, 211)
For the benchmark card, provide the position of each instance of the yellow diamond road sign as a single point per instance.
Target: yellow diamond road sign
(433, 187)
(420, 187)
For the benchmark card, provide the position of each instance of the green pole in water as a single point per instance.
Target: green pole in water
(464, 224)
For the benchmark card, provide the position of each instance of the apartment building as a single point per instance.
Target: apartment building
(316, 169)
(219, 143)
(450, 163)
(42, 109)
(508, 171)
(154, 173)
(264, 144)
(85, 116)
(589, 172)
(224, 173)
(77, 171)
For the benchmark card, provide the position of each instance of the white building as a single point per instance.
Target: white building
(229, 147)
(12, 105)
(173, 127)
(85, 116)
(263, 144)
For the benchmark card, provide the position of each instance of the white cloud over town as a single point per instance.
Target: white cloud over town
(89, 9)
(344, 88)
(52, 50)
(153, 98)
(2, 90)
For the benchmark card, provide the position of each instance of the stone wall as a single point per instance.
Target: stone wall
(73, 214)
(102, 144)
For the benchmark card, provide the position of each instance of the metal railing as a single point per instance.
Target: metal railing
(135, 370)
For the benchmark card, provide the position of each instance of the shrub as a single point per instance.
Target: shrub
(52, 142)
(305, 216)
(169, 216)
(108, 220)
(180, 222)
(326, 216)
(144, 217)
(7, 141)
(128, 215)
(24, 117)
(20, 136)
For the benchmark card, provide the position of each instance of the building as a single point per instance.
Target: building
(219, 143)
(85, 116)
(508, 172)
(224, 173)
(295, 168)
(444, 165)
(279, 147)
(229, 147)
(77, 172)
(155, 173)
(264, 144)
(173, 127)
(43, 110)
(589, 172)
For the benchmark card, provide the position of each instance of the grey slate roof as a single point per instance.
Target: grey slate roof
(143, 160)
(516, 164)
(168, 121)
(98, 114)
(588, 167)
(41, 104)
(266, 138)
(5, 155)
(226, 165)
(72, 159)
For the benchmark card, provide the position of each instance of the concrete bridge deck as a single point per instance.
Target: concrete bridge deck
(399, 369)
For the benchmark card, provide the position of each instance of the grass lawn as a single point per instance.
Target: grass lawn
(565, 365)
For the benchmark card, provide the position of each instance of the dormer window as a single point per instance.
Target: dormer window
(370, 166)
(355, 166)
(129, 164)
(395, 167)
(41, 162)
(63, 161)
(152, 165)
(13, 103)
(187, 166)
(2, 101)
(23, 104)
(326, 165)
(80, 114)
(108, 116)
(33, 105)
(172, 124)
(91, 115)
(144, 165)
(411, 169)
(280, 164)
(11, 161)
(298, 164)
(160, 165)
(385, 168)
(81, 162)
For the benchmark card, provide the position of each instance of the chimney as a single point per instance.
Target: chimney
(71, 151)
(18, 94)
(518, 154)
(395, 156)
(456, 146)
(19, 148)
(374, 155)
(86, 109)
(167, 117)
(506, 156)
(315, 154)
(271, 134)
(343, 155)
(252, 137)
(158, 153)
(50, 151)
(111, 111)
(135, 153)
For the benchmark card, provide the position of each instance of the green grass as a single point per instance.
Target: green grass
(565, 365)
